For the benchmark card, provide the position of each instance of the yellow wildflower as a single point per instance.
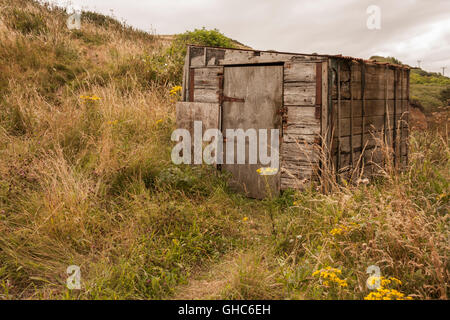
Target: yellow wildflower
(267, 171)
(387, 294)
(384, 293)
(344, 229)
(90, 98)
(395, 280)
(329, 275)
(174, 91)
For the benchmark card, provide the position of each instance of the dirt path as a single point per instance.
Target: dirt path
(209, 283)
(219, 280)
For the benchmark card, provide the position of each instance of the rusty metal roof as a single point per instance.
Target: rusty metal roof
(336, 56)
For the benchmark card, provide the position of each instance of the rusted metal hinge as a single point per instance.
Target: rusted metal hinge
(318, 112)
(232, 99)
(282, 110)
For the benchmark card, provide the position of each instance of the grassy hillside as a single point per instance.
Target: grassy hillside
(426, 88)
(86, 179)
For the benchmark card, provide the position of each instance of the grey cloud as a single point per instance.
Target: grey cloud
(323, 26)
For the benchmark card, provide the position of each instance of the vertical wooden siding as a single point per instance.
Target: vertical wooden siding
(369, 104)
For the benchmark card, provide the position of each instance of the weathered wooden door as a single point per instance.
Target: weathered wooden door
(252, 100)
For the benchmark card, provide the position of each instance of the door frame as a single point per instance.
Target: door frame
(281, 111)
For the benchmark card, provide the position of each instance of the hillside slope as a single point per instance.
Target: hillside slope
(425, 87)
(86, 179)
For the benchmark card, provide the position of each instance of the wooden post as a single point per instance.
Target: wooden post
(338, 156)
(191, 84)
(385, 108)
(407, 116)
(394, 133)
(363, 101)
(186, 74)
(402, 119)
(351, 115)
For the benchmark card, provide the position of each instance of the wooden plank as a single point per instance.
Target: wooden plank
(385, 116)
(214, 56)
(372, 157)
(303, 94)
(236, 57)
(370, 140)
(207, 78)
(298, 71)
(303, 152)
(296, 138)
(346, 161)
(186, 69)
(301, 121)
(375, 155)
(374, 83)
(407, 114)
(191, 85)
(395, 138)
(188, 112)
(324, 123)
(297, 175)
(297, 130)
(301, 115)
(338, 122)
(351, 117)
(297, 170)
(363, 109)
(318, 101)
(371, 108)
(404, 147)
(371, 123)
(197, 56)
(298, 182)
(301, 130)
(206, 95)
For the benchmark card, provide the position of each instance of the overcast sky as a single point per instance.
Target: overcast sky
(410, 30)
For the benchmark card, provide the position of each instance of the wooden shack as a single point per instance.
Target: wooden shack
(340, 114)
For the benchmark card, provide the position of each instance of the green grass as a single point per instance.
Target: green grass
(27, 23)
(428, 88)
(86, 179)
(428, 95)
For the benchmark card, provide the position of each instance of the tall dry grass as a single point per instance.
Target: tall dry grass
(398, 221)
(89, 182)
(86, 176)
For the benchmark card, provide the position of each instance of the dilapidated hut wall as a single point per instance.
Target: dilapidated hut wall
(304, 97)
(368, 115)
